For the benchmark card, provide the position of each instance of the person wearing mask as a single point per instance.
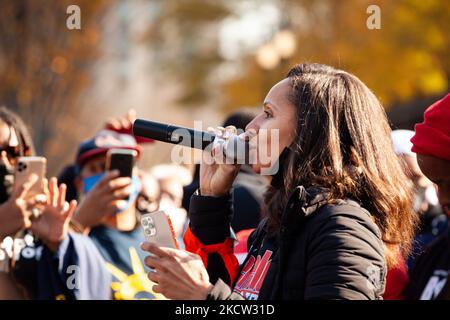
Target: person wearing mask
(425, 203)
(433, 221)
(111, 222)
(39, 257)
(431, 143)
(338, 209)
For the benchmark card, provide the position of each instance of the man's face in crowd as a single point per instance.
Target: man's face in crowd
(148, 201)
(438, 171)
(95, 165)
(414, 173)
(8, 143)
(171, 192)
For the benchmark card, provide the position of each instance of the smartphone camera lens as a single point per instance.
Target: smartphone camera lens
(21, 167)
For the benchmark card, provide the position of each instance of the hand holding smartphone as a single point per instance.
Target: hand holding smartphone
(122, 160)
(25, 167)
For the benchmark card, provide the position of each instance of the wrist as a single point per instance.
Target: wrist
(78, 225)
(206, 291)
(208, 193)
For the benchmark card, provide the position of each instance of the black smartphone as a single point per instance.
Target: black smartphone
(122, 160)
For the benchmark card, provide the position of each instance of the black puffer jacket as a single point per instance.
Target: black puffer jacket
(323, 251)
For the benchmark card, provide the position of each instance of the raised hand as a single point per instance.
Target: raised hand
(216, 177)
(104, 199)
(52, 225)
(122, 124)
(15, 213)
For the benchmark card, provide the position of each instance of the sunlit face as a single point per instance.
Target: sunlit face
(278, 113)
(438, 171)
(414, 173)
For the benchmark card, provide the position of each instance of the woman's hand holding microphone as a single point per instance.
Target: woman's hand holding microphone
(179, 274)
(216, 174)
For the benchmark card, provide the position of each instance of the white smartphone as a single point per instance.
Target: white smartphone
(27, 166)
(158, 229)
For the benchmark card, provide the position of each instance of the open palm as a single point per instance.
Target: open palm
(53, 224)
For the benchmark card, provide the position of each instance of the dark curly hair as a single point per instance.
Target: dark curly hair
(14, 121)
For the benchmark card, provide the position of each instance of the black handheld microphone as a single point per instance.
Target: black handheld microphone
(172, 134)
(235, 148)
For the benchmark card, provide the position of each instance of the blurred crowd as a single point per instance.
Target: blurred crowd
(81, 238)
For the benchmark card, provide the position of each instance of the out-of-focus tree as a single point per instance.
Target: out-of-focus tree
(407, 58)
(44, 68)
(184, 37)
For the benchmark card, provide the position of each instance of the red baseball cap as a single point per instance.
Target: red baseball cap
(104, 141)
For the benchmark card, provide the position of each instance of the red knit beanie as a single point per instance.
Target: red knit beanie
(432, 136)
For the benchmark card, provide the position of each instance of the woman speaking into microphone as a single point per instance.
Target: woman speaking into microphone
(337, 213)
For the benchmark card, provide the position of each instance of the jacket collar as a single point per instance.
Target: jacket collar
(301, 203)
(308, 200)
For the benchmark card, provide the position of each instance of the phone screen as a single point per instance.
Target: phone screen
(122, 160)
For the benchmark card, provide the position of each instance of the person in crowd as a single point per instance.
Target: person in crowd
(67, 176)
(431, 143)
(338, 209)
(122, 124)
(248, 187)
(397, 278)
(433, 221)
(111, 222)
(39, 257)
(171, 179)
(148, 199)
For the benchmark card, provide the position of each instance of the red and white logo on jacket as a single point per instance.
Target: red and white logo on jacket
(252, 275)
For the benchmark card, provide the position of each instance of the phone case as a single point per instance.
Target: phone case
(158, 229)
(25, 167)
